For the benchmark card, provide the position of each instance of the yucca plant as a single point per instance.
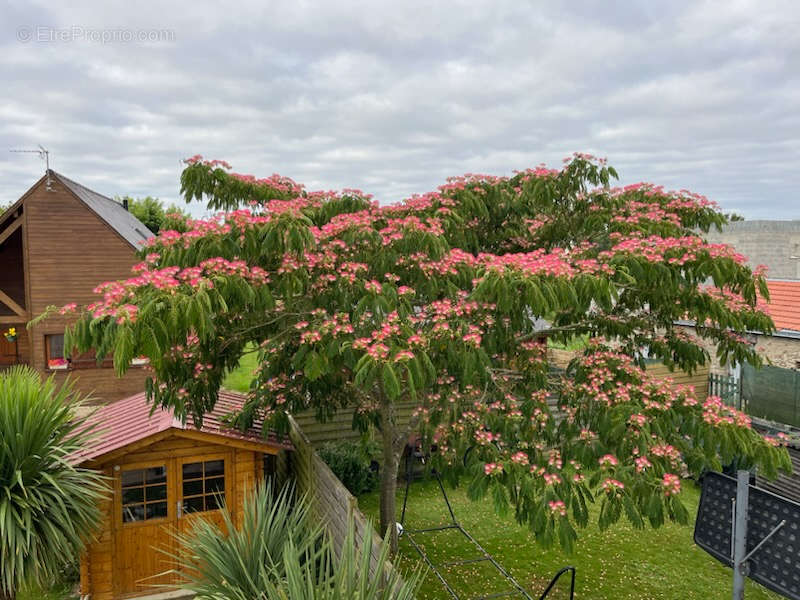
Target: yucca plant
(278, 553)
(348, 578)
(48, 506)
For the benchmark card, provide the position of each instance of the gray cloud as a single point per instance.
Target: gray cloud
(394, 99)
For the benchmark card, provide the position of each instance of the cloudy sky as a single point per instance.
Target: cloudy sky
(393, 99)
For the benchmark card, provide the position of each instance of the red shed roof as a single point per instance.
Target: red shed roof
(129, 420)
(784, 303)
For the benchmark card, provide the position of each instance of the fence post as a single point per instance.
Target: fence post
(740, 533)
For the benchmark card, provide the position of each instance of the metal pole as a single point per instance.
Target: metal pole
(740, 533)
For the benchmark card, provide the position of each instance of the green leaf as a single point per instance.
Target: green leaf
(391, 385)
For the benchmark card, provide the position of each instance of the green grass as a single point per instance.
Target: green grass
(239, 379)
(620, 563)
(574, 344)
(58, 592)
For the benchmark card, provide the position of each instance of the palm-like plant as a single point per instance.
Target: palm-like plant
(48, 506)
(279, 554)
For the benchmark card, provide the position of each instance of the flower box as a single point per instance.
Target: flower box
(139, 361)
(58, 364)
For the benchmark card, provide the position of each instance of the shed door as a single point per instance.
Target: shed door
(145, 515)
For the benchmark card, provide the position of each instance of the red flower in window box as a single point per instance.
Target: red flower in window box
(57, 364)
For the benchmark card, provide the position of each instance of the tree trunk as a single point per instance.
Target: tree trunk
(391, 460)
(7, 595)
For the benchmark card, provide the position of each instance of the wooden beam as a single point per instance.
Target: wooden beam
(10, 229)
(12, 319)
(265, 447)
(6, 299)
(215, 439)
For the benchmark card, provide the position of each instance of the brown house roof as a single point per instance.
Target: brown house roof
(131, 229)
(130, 420)
(110, 211)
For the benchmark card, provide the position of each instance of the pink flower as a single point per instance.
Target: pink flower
(68, 308)
(557, 508)
(472, 339)
(612, 486)
(551, 478)
(372, 286)
(609, 460)
(403, 355)
(492, 469)
(519, 458)
(671, 484)
(638, 420)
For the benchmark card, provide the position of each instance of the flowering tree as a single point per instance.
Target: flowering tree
(438, 300)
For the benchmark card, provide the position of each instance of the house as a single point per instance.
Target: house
(782, 348)
(775, 244)
(164, 475)
(57, 243)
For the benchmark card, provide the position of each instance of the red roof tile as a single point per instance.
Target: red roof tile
(784, 304)
(129, 420)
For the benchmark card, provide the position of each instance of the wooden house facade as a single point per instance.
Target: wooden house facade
(57, 243)
(163, 476)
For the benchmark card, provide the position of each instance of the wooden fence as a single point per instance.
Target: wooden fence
(560, 359)
(726, 387)
(331, 503)
(340, 427)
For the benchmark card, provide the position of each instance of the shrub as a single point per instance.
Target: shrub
(280, 553)
(48, 507)
(353, 463)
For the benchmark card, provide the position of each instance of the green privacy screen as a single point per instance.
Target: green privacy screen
(772, 393)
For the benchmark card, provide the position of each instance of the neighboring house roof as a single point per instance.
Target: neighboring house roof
(783, 307)
(131, 420)
(110, 211)
(784, 303)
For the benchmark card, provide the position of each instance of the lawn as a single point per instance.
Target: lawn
(621, 563)
(239, 379)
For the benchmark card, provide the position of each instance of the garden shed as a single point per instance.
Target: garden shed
(164, 475)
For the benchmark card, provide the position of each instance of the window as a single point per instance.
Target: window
(144, 494)
(203, 485)
(54, 348)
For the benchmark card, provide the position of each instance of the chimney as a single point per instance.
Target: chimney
(125, 203)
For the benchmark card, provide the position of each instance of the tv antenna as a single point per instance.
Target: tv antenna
(44, 154)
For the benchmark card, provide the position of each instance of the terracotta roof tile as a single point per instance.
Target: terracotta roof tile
(130, 420)
(784, 304)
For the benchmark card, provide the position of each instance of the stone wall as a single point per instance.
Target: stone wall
(781, 352)
(771, 243)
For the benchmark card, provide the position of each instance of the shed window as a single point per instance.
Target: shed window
(203, 485)
(144, 494)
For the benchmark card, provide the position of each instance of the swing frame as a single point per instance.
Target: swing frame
(484, 556)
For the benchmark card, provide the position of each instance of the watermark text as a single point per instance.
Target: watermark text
(106, 35)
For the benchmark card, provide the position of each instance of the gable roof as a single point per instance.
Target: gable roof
(129, 420)
(784, 304)
(110, 211)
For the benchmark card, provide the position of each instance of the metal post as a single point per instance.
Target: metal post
(740, 533)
